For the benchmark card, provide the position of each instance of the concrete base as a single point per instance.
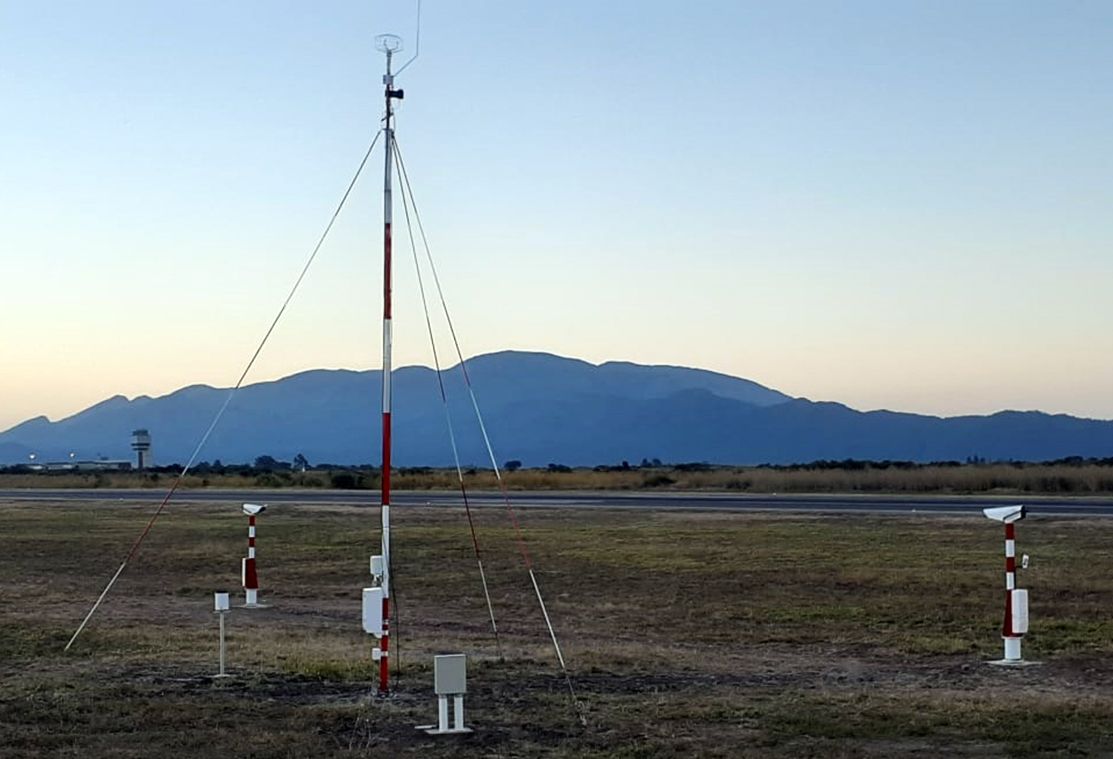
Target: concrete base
(1013, 663)
(432, 730)
(1013, 657)
(218, 677)
(442, 728)
(253, 606)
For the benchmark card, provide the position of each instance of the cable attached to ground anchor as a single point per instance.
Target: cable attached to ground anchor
(523, 548)
(228, 399)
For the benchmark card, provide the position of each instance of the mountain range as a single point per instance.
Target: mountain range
(541, 409)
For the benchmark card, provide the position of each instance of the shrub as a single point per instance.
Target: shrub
(343, 481)
(658, 480)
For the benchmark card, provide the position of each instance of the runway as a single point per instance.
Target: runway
(1042, 506)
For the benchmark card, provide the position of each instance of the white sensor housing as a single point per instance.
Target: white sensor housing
(373, 611)
(1006, 514)
(251, 509)
(1019, 612)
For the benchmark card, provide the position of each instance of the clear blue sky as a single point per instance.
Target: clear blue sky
(891, 204)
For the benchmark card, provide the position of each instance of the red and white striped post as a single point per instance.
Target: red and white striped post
(389, 44)
(1016, 599)
(248, 574)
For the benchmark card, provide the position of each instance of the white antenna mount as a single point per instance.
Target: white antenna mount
(388, 43)
(392, 43)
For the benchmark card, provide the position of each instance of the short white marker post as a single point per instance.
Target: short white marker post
(450, 678)
(1016, 599)
(220, 603)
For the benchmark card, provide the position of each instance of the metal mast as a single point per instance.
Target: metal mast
(389, 44)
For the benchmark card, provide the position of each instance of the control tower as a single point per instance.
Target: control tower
(141, 444)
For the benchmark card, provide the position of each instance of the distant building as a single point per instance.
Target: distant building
(100, 465)
(104, 465)
(141, 444)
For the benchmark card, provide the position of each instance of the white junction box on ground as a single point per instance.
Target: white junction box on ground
(450, 674)
(373, 611)
(450, 679)
(1019, 611)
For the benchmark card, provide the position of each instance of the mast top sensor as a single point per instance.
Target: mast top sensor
(388, 43)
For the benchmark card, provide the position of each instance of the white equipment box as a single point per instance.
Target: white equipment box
(1020, 611)
(450, 675)
(373, 611)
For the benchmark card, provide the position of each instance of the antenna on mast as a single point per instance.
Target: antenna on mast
(388, 43)
(417, 41)
(392, 43)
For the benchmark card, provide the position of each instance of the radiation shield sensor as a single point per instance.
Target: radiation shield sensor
(1006, 514)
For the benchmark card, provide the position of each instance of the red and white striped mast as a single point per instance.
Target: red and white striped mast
(389, 44)
(1016, 599)
(249, 577)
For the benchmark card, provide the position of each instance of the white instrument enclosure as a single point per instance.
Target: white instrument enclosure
(450, 674)
(373, 611)
(1019, 601)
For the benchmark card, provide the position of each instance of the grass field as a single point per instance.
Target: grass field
(686, 634)
(1081, 478)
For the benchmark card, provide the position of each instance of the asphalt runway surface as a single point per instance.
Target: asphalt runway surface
(670, 500)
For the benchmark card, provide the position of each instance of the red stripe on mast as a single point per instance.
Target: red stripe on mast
(384, 648)
(1010, 578)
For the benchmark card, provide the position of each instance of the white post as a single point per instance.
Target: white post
(442, 713)
(458, 712)
(221, 606)
(221, 673)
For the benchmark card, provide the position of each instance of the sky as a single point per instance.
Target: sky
(899, 205)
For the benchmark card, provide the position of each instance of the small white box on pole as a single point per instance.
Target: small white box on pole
(1019, 610)
(220, 608)
(373, 611)
(377, 567)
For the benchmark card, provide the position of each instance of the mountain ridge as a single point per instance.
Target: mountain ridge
(541, 408)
